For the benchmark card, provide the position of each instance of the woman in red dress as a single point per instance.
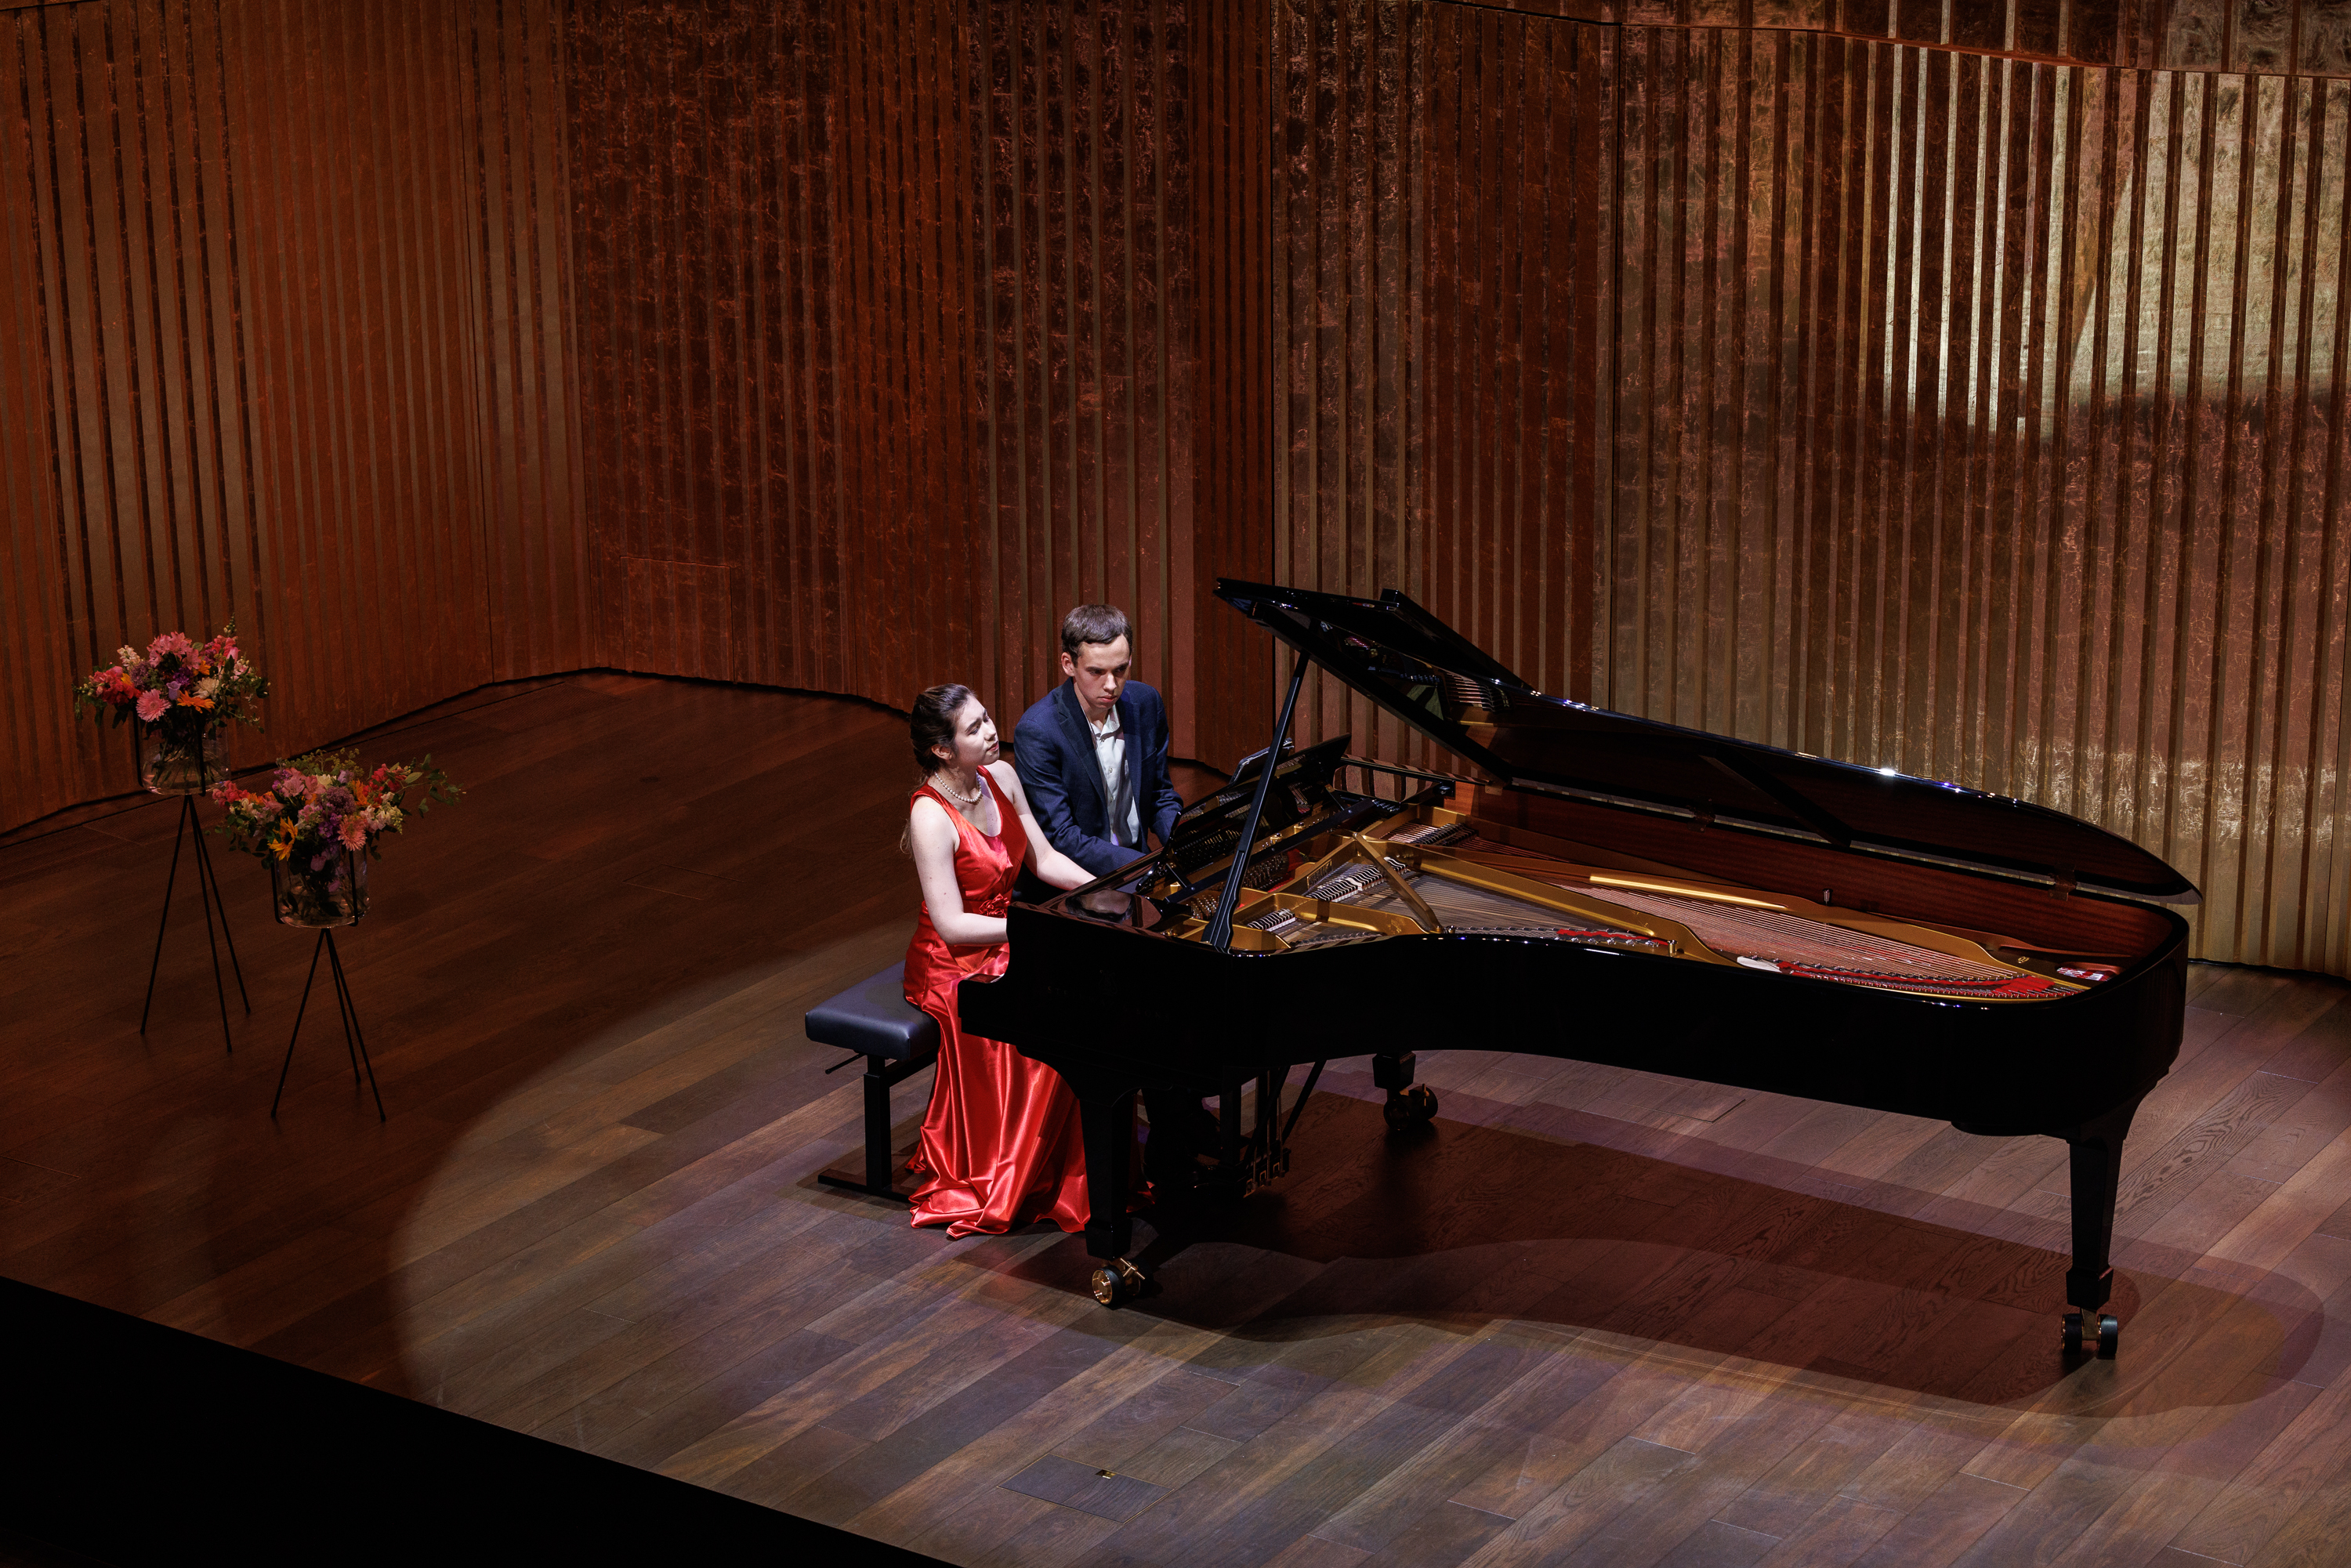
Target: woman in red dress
(1001, 1143)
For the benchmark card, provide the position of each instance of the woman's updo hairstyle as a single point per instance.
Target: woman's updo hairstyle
(934, 723)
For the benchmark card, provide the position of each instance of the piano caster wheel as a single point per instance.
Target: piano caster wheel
(2110, 1333)
(1409, 1108)
(1115, 1282)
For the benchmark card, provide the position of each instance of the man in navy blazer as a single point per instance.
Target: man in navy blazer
(1093, 752)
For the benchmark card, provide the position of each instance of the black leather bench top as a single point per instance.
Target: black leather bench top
(874, 1017)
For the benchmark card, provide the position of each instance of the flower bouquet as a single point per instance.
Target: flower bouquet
(182, 695)
(319, 822)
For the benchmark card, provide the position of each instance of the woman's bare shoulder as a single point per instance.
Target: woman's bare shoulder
(927, 816)
(1006, 777)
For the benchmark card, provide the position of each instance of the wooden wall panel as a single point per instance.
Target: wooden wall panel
(247, 270)
(1979, 417)
(522, 355)
(127, 510)
(1519, 155)
(2031, 479)
(357, 407)
(1350, 494)
(1228, 145)
(1084, 330)
(703, 165)
(2274, 36)
(881, 317)
(1873, 382)
(917, 560)
(884, 311)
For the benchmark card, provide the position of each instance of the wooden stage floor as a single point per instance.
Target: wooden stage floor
(1599, 1317)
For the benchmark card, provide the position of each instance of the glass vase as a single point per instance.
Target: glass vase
(334, 895)
(175, 764)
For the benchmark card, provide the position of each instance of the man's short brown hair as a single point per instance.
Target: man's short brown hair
(1095, 623)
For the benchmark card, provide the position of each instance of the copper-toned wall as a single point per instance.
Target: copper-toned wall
(702, 173)
(1230, 147)
(2274, 36)
(1083, 331)
(1974, 416)
(885, 309)
(1348, 91)
(1520, 149)
(279, 340)
(1924, 402)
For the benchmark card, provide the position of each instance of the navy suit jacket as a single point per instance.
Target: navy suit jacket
(1053, 752)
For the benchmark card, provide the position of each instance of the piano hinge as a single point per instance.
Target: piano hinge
(2062, 881)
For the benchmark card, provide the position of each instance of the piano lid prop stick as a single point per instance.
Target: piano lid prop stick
(1220, 929)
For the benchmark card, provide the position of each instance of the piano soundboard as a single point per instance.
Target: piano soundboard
(1427, 871)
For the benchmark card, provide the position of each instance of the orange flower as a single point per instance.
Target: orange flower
(191, 700)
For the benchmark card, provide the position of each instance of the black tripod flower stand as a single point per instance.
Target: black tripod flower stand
(208, 892)
(304, 902)
(354, 1038)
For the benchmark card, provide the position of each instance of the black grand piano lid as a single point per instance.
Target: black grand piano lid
(1415, 666)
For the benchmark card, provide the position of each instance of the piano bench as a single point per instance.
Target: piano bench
(897, 1039)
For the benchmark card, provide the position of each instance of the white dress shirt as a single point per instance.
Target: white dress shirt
(1118, 785)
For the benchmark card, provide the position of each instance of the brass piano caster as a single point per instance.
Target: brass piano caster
(1115, 1282)
(2110, 1333)
(1409, 1108)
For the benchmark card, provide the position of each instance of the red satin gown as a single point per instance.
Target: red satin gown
(1001, 1143)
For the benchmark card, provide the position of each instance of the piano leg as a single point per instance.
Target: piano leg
(1106, 1122)
(1409, 1105)
(2098, 1162)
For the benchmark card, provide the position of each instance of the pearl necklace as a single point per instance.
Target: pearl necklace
(979, 792)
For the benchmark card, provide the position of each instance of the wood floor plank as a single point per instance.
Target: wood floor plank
(2183, 1479)
(1621, 1478)
(1751, 1435)
(2312, 1536)
(1839, 1530)
(2299, 1463)
(1942, 1526)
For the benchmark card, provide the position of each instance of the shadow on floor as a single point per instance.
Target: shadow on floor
(1469, 1225)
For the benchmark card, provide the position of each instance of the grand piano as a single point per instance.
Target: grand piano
(1605, 889)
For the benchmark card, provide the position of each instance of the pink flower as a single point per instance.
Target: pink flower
(152, 705)
(354, 833)
(171, 643)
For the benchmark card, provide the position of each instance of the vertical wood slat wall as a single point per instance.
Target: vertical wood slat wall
(1229, 135)
(1348, 87)
(882, 312)
(267, 353)
(847, 280)
(1973, 416)
(537, 549)
(702, 170)
(2281, 36)
(1667, 429)
(1081, 332)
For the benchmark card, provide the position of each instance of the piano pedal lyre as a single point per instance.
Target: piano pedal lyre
(1117, 1280)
